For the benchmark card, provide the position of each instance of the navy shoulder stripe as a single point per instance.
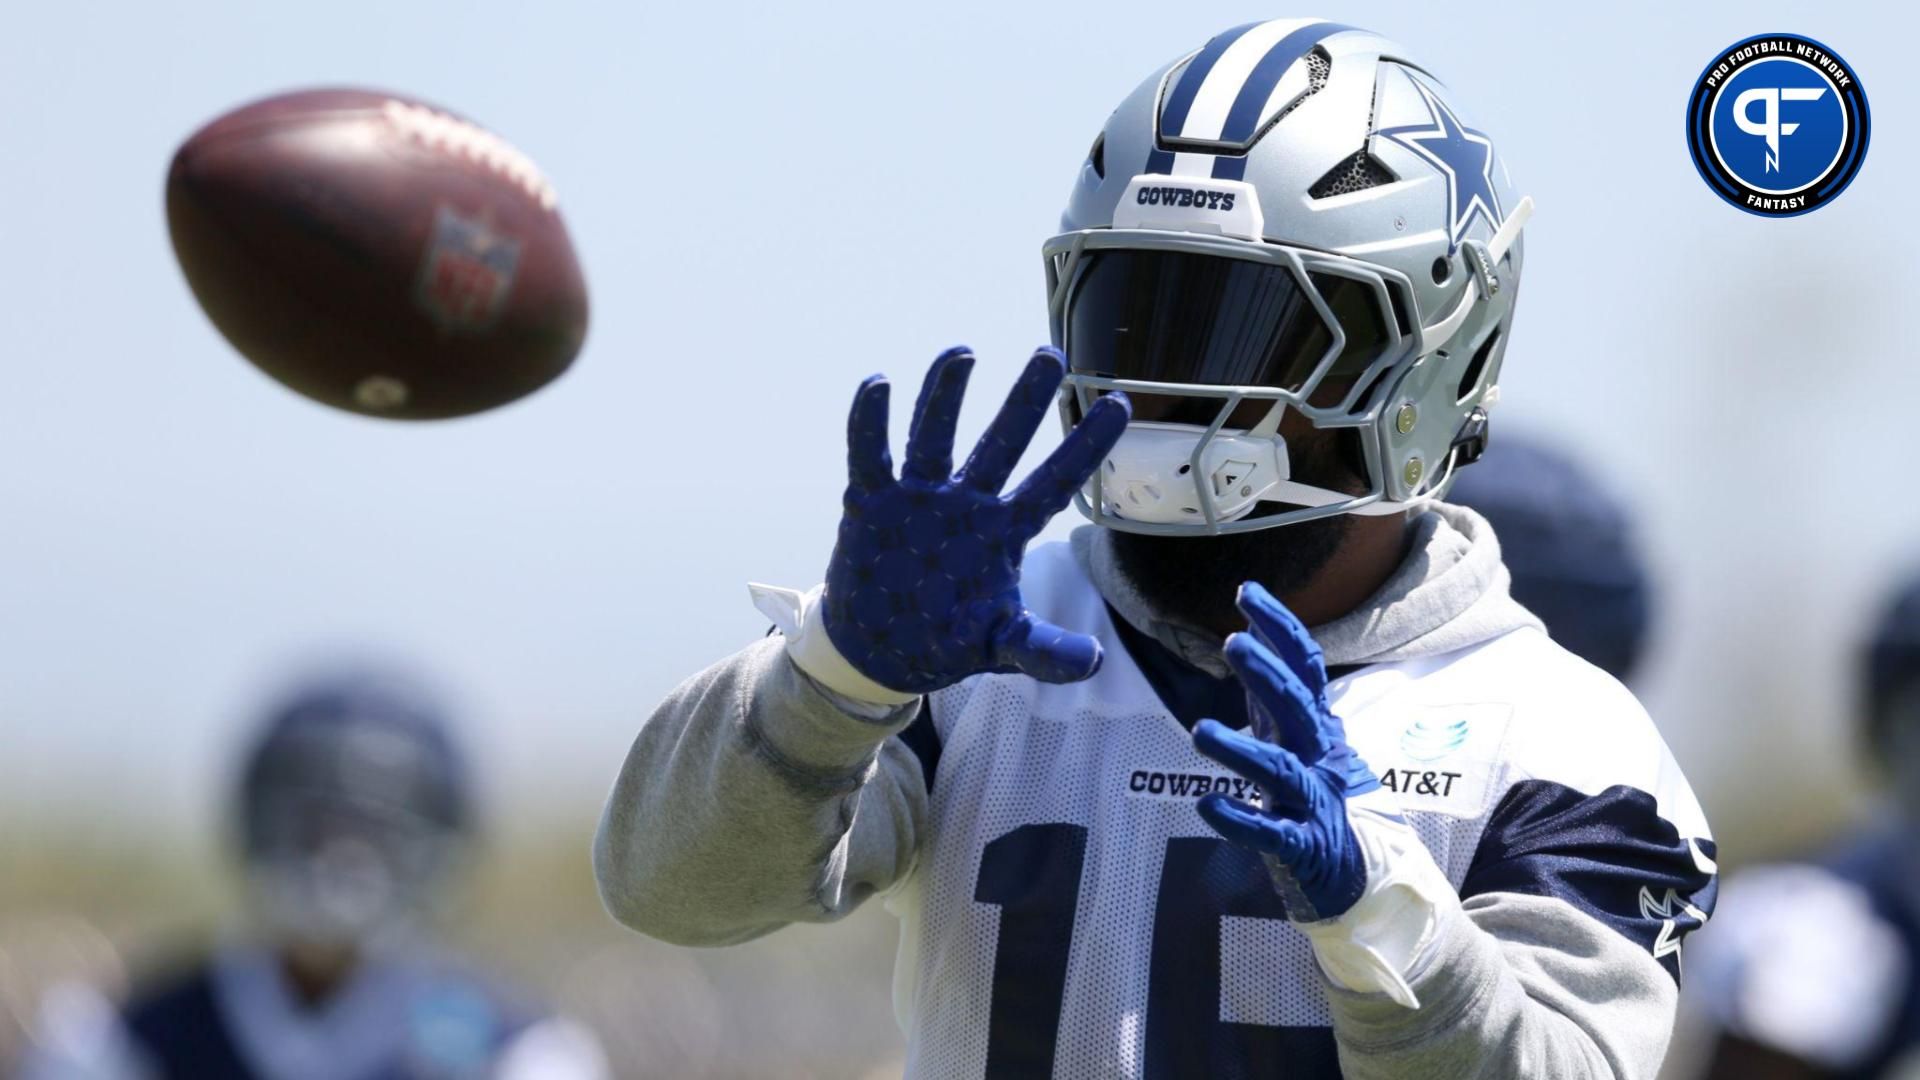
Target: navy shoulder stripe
(1610, 855)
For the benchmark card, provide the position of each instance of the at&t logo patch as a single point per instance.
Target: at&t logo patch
(1778, 125)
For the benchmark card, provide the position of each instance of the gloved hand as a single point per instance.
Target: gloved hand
(923, 589)
(1349, 869)
(1297, 752)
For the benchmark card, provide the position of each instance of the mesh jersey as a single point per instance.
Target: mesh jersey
(1071, 914)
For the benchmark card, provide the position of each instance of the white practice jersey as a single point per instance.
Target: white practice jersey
(1071, 914)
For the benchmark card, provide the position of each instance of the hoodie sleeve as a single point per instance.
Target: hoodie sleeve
(1516, 986)
(751, 799)
(1563, 958)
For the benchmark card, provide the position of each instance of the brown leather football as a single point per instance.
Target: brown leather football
(377, 254)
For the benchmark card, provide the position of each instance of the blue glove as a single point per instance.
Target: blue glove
(923, 589)
(1298, 754)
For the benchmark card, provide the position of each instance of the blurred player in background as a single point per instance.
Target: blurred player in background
(1570, 547)
(353, 809)
(1815, 974)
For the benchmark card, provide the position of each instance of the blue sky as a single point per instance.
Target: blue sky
(772, 201)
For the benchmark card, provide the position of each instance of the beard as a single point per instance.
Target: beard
(1194, 579)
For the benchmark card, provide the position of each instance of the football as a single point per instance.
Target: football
(377, 253)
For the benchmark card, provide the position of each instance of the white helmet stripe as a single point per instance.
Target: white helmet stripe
(1208, 113)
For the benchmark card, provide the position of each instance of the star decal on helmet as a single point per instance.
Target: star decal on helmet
(1464, 156)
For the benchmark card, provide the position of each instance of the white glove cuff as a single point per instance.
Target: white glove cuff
(1383, 941)
(802, 619)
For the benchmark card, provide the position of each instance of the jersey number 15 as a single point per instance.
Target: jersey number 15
(1033, 875)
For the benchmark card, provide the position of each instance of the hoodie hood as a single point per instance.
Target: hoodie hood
(1450, 593)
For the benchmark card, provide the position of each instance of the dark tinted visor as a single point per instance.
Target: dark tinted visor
(1181, 317)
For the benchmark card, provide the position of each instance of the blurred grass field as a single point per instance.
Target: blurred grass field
(95, 900)
(98, 902)
(811, 1002)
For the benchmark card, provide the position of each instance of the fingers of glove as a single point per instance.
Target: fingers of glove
(1051, 486)
(1299, 716)
(935, 415)
(1046, 651)
(1283, 632)
(1278, 772)
(869, 462)
(1247, 826)
(1027, 404)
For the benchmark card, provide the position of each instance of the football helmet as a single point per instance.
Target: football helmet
(1295, 214)
(352, 805)
(1892, 664)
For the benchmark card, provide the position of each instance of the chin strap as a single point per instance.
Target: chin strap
(1483, 258)
(1294, 493)
(1510, 229)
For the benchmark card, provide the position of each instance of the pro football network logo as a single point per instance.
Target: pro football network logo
(1778, 125)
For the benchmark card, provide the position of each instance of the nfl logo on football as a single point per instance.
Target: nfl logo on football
(465, 273)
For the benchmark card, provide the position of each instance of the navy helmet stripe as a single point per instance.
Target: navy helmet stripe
(1244, 117)
(1249, 100)
(1230, 167)
(1173, 116)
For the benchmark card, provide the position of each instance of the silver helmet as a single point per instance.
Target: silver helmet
(1296, 214)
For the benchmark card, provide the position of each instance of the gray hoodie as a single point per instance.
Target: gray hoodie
(752, 798)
